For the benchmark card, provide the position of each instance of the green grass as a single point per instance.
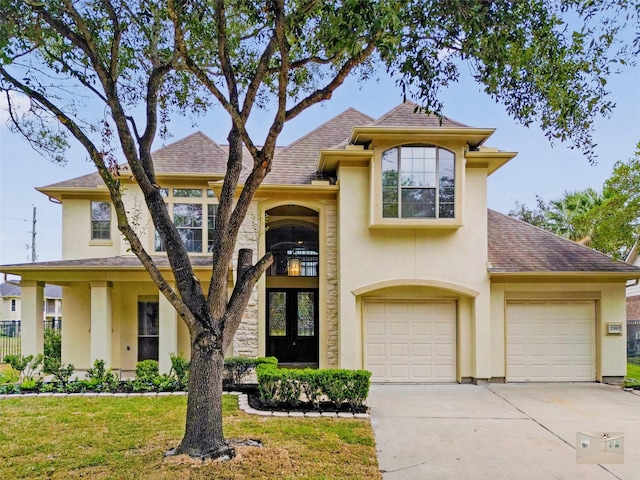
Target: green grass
(124, 438)
(633, 371)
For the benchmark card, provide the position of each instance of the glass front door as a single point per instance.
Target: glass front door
(292, 325)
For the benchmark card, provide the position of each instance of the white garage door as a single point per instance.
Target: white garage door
(410, 340)
(551, 341)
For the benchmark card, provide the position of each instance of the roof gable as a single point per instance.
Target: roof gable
(405, 115)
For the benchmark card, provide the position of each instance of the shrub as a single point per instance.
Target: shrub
(25, 366)
(100, 379)
(180, 370)
(339, 386)
(147, 371)
(52, 351)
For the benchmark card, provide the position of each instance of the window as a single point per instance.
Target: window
(418, 182)
(189, 207)
(13, 304)
(100, 221)
(187, 217)
(212, 212)
(584, 442)
(148, 330)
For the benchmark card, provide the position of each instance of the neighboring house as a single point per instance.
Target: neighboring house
(10, 307)
(386, 258)
(633, 307)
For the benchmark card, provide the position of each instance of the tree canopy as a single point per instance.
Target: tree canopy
(608, 222)
(111, 74)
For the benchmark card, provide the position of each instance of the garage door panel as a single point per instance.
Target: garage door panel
(398, 350)
(421, 350)
(417, 337)
(551, 341)
(376, 327)
(398, 372)
(419, 327)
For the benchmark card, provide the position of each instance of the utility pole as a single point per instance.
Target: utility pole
(33, 237)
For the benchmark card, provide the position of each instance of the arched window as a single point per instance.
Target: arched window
(418, 182)
(295, 251)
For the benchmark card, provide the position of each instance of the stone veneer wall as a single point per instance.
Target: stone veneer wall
(245, 342)
(331, 266)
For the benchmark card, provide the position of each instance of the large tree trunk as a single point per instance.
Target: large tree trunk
(203, 436)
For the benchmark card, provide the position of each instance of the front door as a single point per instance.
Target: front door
(292, 325)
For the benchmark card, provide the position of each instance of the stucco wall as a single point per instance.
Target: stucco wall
(455, 258)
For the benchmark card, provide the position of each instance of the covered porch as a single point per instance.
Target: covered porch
(112, 311)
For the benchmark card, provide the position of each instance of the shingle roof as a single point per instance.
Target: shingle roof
(195, 153)
(116, 262)
(404, 115)
(516, 247)
(294, 164)
(297, 163)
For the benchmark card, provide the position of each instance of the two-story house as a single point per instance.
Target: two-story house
(386, 258)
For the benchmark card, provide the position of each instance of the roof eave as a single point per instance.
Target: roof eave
(491, 160)
(472, 136)
(329, 159)
(588, 275)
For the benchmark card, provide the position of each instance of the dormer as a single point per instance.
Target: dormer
(417, 164)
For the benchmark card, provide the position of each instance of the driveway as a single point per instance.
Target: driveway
(500, 431)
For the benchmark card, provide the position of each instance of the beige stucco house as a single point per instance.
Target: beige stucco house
(10, 296)
(386, 258)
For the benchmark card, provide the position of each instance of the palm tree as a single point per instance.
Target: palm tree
(568, 217)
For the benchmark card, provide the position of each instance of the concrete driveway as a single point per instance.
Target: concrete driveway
(500, 431)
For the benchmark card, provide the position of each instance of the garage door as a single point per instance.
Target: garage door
(410, 341)
(551, 341)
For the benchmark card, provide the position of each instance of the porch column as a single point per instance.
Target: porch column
(32, 316)
(168, 334)
(101, 331)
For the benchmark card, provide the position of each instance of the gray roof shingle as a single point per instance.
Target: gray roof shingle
(297, 163)
(517, 247)
(405, 115)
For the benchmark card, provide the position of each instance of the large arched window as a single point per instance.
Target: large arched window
(295, 251)
(418, 182)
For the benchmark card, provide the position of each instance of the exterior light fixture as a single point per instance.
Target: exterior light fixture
(293, 267)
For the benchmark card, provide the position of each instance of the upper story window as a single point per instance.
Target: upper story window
(13, 304)
(418, 182)
(100, 221)
(294, 249)
(189, 207)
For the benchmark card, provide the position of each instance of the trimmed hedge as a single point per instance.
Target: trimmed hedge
(339, 386)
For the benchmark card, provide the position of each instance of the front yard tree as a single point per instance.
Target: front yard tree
(111, 73)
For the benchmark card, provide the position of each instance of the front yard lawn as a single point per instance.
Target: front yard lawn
(125, 438)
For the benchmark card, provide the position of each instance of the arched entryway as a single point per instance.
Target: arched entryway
(292, 327)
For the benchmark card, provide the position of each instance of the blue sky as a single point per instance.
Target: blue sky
(539, 168)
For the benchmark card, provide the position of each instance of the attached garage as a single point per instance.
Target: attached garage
(551, 341)
(410, 341)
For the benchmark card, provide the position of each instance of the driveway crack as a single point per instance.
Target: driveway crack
(545, 427)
